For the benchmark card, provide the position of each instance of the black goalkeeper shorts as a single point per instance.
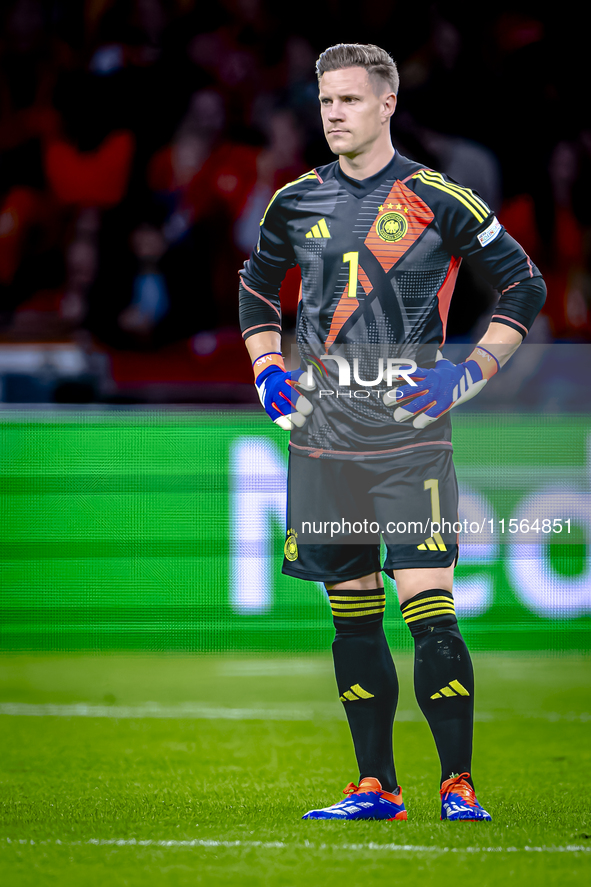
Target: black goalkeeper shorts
(340, 511)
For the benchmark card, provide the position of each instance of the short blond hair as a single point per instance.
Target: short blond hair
(376, 61)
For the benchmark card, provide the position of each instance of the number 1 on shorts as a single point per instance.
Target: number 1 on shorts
(433, 485)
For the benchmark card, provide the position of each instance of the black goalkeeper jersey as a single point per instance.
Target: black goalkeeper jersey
(379, 259)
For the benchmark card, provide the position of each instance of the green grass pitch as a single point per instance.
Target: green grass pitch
(196, 770)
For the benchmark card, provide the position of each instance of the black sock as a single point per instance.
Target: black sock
(366, 679)
(444, 679)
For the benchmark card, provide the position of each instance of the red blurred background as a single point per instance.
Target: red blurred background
(140, 141)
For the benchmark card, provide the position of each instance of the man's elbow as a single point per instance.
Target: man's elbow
(540, 293)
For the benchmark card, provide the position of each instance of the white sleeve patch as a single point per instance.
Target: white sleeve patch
(493, 230)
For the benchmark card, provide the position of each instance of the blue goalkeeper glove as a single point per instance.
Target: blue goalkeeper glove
(278, 394)
(441, 388)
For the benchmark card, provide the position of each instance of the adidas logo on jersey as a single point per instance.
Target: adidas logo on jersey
(355, 694)
(454, 688)
(320, 229)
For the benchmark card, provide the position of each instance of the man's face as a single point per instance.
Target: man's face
(355, 109)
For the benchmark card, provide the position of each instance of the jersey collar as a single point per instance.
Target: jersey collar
(363, 187)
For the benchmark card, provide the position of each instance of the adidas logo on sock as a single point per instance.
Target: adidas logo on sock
(454, 688)
(320, 229)
(355, 693)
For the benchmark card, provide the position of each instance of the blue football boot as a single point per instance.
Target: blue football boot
(458, 801)
(365, 801)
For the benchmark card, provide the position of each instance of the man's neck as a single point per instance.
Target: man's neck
(362, 166)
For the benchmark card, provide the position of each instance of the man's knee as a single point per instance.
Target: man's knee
(410, 583)
(369, 582)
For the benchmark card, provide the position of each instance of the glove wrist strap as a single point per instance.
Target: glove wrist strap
(487, 362)
(272, 358)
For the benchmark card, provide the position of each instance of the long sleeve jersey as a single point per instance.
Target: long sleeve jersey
(379, 259)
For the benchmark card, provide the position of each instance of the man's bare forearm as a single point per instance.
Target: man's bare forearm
(502, 341)
(266, 343)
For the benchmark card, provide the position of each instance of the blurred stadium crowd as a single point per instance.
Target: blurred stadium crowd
(140, 141)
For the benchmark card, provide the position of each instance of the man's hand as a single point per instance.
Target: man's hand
(278, 393)
(441, 388)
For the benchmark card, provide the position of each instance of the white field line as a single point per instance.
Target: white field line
(192, 711)
(306, 845)
(154, 710)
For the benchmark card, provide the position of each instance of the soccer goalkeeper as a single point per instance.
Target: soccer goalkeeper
(379, 240)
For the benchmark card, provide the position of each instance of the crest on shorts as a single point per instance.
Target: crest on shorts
(391, 227)
(290, 549)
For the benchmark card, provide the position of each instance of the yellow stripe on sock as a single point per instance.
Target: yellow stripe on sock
(426, 600)
(346, 607)
(359, 606)
(426, 611)
(459, 688)
(358, 613)
(350, 696)
(431, 613)
(424, 608)
(448, 692)
(354, 608)
(359, 597)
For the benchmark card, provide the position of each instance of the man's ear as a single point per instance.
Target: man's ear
(389, 105)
